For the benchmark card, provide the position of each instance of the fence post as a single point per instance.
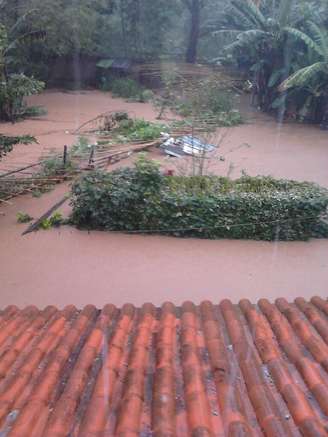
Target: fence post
(65, 156)
(92, 155)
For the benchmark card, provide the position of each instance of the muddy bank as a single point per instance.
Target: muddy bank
(69, 266)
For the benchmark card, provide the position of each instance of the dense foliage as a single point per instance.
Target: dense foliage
(207, 99)
(126, 88)
(280, 45)
(12, 93)
(143, 200)
(7, 143)
(137, 130)
(13, 87)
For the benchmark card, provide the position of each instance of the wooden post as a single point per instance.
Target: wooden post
(92, 154)
(65, 156)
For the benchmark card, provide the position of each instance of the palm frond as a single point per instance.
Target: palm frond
(320, 36)
(275, 77)
(309, 42)
(227, 32)
(301, 77)
(251, 12)
(21, 20)
(236, 19)
(247, 39)
(34, 35)
(284, 12)
(279, 102)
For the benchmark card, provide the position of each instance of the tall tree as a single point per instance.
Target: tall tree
(129, 11)
(195, 8)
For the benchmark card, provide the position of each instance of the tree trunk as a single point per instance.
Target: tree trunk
(123, 26)
(195, 9)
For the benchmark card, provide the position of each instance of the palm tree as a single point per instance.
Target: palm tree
(315, 75)
(261, 41)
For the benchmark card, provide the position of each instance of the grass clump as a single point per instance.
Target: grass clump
(35, 111)
(54, 166)
(23, 217)
(53, 222)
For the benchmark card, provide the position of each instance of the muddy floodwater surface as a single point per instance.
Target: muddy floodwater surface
(64, 266)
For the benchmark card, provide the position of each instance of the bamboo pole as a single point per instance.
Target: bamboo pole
(34, 226)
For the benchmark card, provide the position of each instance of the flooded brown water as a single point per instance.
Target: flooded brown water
(70, 266)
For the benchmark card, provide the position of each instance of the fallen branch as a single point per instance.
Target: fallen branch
(5, 201)
(35, 226)
(19, 170)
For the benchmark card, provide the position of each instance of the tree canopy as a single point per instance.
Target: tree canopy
(279, 45)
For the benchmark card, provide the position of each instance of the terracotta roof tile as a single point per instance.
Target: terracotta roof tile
(200, 371)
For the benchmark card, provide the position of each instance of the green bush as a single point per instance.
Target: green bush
(218, 100)
(228, 119)
(52, 222)
(34, 111)
(146, 96)
(128, 89)
(12, 94)
(139, 129)
(105, 83)
(54, 166)
(208, 102)
(143, 200)
(7, 143)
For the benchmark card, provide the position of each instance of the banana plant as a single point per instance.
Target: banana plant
(261, 38)
(317, 42)
(313, 76)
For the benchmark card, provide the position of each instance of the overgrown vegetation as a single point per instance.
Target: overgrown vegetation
(138, 129)
(282, 47)
(12, 93)
(53, 165)
(54, 221)
(14, 87)
(23, 217)
(143, 200)
(279, 46)
(7, 143)
(211, 103)
(127, 88)
(209, 97)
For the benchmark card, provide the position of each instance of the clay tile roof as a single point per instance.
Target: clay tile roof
(200, 371)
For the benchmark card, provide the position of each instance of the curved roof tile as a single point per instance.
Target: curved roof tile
(202, 371)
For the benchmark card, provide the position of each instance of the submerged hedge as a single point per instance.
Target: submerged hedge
(142, 200)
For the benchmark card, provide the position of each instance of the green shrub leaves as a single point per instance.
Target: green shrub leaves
(143, 200)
